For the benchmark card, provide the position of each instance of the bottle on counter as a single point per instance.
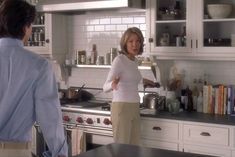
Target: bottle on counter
(94, 54)
(183, 100)
(195, 94)
(190, 99)
(200, 102)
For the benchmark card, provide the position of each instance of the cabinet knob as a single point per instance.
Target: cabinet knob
(66, 118)
(150, 40)
(106, 121)
(47, 40)
(89, 121)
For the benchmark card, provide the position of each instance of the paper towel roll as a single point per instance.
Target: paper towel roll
(57, 71)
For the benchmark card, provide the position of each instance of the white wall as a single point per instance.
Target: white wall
(102, 28)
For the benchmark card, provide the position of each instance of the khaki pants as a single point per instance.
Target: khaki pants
(125, 119)
(15, 149)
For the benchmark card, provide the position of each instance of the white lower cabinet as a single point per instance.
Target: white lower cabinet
(207, 150)
(206, 134)
(161, 134)
(209, 139)
(187, 136)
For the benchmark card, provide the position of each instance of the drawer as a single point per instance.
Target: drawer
(157, 129)
(206, 134)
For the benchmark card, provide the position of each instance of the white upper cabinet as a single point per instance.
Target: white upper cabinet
(40, 40)
(49, 34)
(184, 29)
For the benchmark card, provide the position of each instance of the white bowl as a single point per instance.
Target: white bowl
(217, 11)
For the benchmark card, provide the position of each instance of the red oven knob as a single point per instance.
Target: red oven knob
(66, 118)
(79, 120)
(89, 121)
(106, 121)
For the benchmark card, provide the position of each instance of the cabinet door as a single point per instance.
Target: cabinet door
(215, 34)
(205, 37)
(169, 27)
(39, 42)
(207, 150)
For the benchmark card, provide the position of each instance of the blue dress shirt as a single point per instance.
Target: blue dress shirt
(28, 94)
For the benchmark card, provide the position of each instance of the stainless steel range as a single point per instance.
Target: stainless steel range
(92, 119)
(92, 114)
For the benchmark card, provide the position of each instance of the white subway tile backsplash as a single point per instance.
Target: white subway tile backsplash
(116, 20)
(99, 28)
(103, 29)
(142, 27)
(127, 20)
(94, 21)
(121, 27)
(88, 76)
(90, 28)
(144, 35)
(110, 27)
(139, 20)
(133, 25)
(105, 21)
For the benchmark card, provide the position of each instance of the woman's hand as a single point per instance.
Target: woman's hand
(149, 83)
(115, 83)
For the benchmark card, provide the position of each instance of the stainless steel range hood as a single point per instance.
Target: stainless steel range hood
(84, 5)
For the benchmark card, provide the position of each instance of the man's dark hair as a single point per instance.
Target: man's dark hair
(14, 16)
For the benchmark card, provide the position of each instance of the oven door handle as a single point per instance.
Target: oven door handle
(70, 127)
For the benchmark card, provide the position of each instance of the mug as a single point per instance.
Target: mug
(178, 41)
(165, 39)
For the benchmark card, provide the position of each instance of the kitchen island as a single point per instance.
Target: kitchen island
(124, 150)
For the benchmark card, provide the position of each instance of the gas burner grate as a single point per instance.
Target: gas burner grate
(65, 101)
(106, 107)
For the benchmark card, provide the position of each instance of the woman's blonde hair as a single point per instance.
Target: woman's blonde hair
(125, 37)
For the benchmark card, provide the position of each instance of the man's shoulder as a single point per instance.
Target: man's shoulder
(33, 56)
(32, 59)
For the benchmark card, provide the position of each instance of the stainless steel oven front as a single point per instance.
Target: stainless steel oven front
(86, 131)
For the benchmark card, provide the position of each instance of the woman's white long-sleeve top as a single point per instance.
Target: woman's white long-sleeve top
(130, 77)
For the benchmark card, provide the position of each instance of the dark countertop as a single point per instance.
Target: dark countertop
(183, 116)
(191, 116)
(124, 150)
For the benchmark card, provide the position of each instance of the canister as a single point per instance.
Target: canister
(107, 59)
(178, 41)
(113, 54)
(100, 60)
(77, 59)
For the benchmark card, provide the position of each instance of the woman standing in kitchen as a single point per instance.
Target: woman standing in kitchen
(123, 80)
